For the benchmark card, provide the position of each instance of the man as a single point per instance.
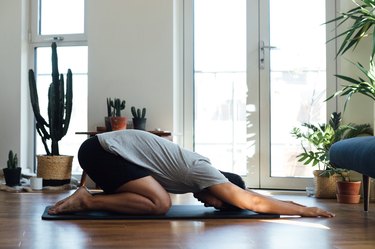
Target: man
(137, 170)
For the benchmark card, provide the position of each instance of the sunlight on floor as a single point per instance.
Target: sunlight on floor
(298, 223)
(279, 192)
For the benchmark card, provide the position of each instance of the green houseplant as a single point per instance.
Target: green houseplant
(347, 191)
(362, 18)
(139, 118)
(316, 141)
(118, 122)
(55, 169)
(12, 173)
(361, 21)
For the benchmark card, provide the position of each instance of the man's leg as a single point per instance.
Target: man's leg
(140, 196)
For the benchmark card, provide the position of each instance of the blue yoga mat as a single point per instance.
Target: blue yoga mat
(175, 212)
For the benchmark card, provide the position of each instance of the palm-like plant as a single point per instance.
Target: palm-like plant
(365, 86)
(363, 18)
(363, 22)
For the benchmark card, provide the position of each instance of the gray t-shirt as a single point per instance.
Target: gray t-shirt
(178, 170)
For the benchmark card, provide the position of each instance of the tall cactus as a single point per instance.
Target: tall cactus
(60, 104)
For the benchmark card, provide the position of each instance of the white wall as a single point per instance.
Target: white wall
(131, 57)
(15, 129)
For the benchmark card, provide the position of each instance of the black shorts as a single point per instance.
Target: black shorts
(107, 170)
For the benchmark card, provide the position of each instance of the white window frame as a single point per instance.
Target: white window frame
(39, 40)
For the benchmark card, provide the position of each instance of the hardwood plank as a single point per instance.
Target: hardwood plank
(22, 227)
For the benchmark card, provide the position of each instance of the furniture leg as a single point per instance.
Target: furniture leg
(366, 191)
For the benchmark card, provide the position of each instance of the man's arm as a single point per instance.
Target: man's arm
(230, 193)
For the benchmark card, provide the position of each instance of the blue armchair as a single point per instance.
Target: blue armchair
(356, 154)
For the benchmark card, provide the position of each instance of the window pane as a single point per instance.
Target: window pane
(298, 79)
(220, 82)
(61, 17)
(74, 58)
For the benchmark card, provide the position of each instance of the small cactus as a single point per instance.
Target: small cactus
(137, 113)
(118, 106)
(109, 107)
(12, 160)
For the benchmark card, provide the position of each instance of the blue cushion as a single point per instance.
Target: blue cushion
(356, 154)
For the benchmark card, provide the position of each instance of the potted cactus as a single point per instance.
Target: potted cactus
(55, 169)
(139, 120)
(12, 173)
(118, 122)
(107, 120)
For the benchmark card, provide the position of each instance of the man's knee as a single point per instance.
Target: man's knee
(162, 205)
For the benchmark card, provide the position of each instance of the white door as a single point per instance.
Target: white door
(293, 85)
(259, 71)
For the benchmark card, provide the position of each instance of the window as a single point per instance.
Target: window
(62, 21)
(61, 17)
(220, 68)
(254, 79)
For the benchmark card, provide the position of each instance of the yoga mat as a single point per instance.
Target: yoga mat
(175, 212)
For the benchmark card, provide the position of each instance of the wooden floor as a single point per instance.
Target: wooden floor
(21, 227)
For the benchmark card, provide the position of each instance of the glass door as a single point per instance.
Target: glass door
(220, 87)
(260, 70)
(293, 80)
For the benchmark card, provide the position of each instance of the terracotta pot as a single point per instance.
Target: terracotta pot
(325, 187)
(348, 188)
(348, 199)
(55, 170)
(348, 192)
(119, 123)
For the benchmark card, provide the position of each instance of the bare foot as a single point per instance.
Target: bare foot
(74, 203)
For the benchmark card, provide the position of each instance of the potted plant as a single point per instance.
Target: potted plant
(362, 23)
(316, 141)
(118, 122)
(12, 173)
(55, 169)
(348, 191)
(139, 120)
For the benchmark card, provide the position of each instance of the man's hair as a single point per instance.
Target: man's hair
(236, 180)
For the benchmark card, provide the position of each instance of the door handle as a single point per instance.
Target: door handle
(263, 47)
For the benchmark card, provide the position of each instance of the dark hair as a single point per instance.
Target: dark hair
(236, 180)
